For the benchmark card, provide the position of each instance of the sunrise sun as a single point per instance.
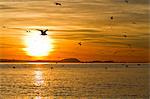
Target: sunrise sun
(38, 45)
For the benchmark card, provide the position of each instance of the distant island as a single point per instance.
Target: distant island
(66, 60)
(75, 60)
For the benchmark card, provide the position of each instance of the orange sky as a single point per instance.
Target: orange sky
(85, 21)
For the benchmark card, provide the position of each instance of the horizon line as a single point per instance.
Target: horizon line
(61, 61)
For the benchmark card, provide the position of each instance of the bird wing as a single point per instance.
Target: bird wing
(45, 30)
(39, 30)
(58, 3)
(42, 30)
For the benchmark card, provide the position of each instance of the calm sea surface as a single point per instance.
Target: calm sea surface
(74, 81)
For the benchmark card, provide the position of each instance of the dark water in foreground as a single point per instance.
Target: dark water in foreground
(71, 81)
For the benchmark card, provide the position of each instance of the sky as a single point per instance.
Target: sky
(85, 21)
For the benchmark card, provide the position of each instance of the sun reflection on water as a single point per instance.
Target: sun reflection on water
(39, 80)
(38, 97)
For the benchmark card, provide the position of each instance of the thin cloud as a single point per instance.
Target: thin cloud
(77, 30)
(6, 7)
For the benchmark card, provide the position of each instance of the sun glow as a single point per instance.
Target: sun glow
(38, 45)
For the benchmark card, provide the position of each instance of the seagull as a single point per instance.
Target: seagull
(3, 26)
(80, 43)
(138, 64)
(111, 17)
(115, 52)
(133, 22)
(43, 32)
(28, 31)
(106, 67)
(58, 3)
(124, 35)
(127, 66)
(126, 1)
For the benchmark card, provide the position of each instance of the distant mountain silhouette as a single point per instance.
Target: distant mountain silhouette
(74, 60)
(69, 60)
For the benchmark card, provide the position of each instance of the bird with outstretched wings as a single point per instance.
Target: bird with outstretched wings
(43, 32)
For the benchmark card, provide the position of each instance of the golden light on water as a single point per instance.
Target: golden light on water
(39, 80)
(38, 45)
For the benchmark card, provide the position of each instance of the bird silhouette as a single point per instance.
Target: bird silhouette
(127, 66)
(138, 64)
(3, 26)
(106, 67)
(80, 43)
(124, 35)
(28, 31)
(133, 22)
(43, 32)
(126, 1)
(58, 3)
(111, 17)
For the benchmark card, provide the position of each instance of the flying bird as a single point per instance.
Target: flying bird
(138, 64)
(126, 1)
(28, 31)
(80, 43)
(111, 17)
(57, 3)
(3, 26)
(115, 52)
(43, 32)
(124, 35)
(106, 67)
(133, 22)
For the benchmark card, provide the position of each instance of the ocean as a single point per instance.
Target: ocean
(74, 81)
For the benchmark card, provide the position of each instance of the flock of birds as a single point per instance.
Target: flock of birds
(43, 32)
